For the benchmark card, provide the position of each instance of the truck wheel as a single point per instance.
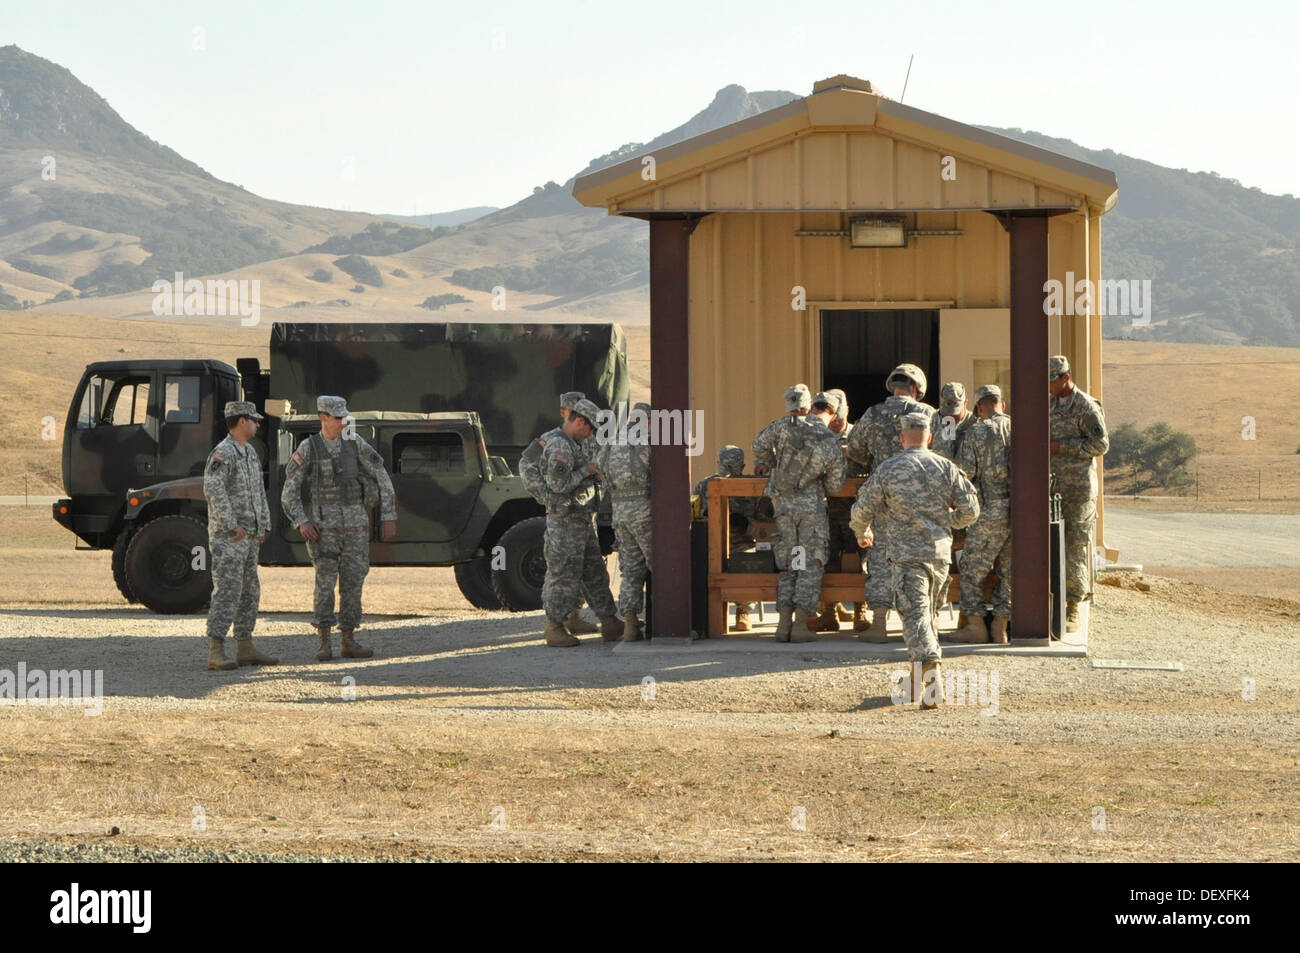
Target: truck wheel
(475, 581)
(159, 565)
(119, 567)
(519, 584)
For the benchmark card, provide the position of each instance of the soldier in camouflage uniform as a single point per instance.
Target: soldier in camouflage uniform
(336, 466)
(832, 405)
(918, 498)
(952, 421)
(625, 473)
(986, 457)
(1078, 435)
(875, 438)
(531, 460)
(731, 463)
(573, 560)
(805, 463)
(238, 521)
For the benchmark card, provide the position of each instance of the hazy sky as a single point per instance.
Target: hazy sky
(429, 106)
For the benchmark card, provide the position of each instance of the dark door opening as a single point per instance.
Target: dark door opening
(860, 348)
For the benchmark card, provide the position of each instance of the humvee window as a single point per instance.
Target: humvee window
(181, 396)
(429, 454)
(110, 403)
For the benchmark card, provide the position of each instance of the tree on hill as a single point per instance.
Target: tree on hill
(1158, 456)
(359, 268)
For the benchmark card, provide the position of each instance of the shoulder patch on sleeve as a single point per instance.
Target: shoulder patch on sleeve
(218, 456)
(297, 458)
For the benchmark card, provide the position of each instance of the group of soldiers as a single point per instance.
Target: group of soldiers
(345, 478)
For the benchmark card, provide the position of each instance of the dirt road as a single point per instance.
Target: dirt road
(467, 738)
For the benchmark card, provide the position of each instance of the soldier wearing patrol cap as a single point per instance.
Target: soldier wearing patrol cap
(804, 463)
(985, 456)
(952, 421)
(875, 438)
(238, 521)
(343, 473)
(574, 564)
(530, 469)
(917, 497)
(1078, 433)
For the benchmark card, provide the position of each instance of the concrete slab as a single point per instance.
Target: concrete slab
(759, 641)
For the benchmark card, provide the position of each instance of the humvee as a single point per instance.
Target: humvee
(138, 433)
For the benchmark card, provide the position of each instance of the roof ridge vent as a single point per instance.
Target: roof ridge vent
(844, 81)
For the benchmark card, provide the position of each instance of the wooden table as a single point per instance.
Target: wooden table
(728, 587)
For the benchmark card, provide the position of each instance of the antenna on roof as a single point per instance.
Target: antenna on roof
(907, 77)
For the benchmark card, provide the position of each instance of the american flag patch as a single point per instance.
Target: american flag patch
(216, 455)
(297, 458)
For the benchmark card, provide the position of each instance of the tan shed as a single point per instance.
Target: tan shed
(832, 238)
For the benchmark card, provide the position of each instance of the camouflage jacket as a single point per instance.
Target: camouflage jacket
(336, 502)
(986, 457)
(624, 471)
(875, 436)
(1079, 425)
(804, 457)
(919, 498)
(948, 433)
(571, 487)
(232, 485)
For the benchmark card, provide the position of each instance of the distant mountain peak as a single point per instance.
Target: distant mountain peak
(44, 106)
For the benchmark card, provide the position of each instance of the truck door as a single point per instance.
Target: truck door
(188, 410)
(115, 444)
(437, 476)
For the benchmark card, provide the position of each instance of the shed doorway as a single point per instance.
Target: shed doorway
(860, 347)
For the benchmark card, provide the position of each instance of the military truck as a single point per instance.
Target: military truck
(138, 433)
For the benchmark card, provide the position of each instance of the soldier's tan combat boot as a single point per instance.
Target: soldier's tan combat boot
(325, 652)
(246, 654)
(972, 632)
(843, 614)
(611, 628)
(784, 622)
(742, 618)
(631, 627)
(558, 636)
(826, 620)
(350, 649)
(1072, 617)
(804, 627)
(576, 624)
(999, 632)
(930, 691)
(860, 621)
(218, 660)
(876, 632)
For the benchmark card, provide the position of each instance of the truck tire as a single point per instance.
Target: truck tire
(159, 565)
(475, 581)
(119, 567)
(519, 584)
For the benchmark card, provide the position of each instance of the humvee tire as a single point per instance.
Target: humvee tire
(159, 565)
(519, 584)
(475, 581)
(119, 567)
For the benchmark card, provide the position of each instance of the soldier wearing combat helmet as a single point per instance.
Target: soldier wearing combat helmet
(875, 438)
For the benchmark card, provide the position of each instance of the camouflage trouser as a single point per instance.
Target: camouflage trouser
(341, 555)
(880, 581)
(632, 529)
(574, 566)
(1080, 515)
(235, 587)
(800, 522)
(914, 583)
(989, 540)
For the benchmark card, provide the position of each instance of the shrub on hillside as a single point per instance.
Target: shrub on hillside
(359, 268)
